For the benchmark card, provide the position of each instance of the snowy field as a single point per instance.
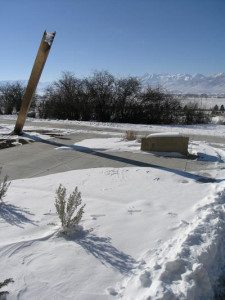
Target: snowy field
(204, 102)
(213, 129)
(147, 233)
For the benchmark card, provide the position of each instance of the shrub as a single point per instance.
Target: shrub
(63, 99)
(3, 284)
(11, 96)
(66, 208)
(193, 115)
(106, 98)
(158, 107)
(4, 185)
(130, 135)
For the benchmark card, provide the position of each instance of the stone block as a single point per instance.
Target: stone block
(165, 142)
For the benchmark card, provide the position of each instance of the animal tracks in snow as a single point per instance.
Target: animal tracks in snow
(95, 217)
(132, 210)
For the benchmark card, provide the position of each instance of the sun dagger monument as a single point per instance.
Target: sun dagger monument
(35, 75)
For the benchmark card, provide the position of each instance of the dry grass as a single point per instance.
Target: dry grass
(130, 135)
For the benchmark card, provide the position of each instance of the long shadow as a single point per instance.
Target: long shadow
(15, 215)
(105, 252)
(198, 178)
(207, 157)
(200, 156)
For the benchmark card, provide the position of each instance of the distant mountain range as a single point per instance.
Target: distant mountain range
(176, 83)
(186, 83)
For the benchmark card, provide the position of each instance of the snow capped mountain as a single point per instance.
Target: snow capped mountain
(186, 83)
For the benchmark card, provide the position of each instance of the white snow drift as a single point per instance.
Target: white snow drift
(146, 232)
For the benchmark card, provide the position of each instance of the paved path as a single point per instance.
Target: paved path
(42, 158)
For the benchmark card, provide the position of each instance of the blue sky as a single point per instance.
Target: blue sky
(123, 36)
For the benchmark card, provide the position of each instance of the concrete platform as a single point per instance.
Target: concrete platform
(42, 158)
(162, 142)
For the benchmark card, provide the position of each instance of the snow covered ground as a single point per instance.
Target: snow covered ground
(213, 129)
(147, 233)
(205, 102)
(209, 152)
(202, 129)
(34, 131)
(44, 132)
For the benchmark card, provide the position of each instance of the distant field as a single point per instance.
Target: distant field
(205, 102)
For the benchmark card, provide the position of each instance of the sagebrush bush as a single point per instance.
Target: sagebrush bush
(130, 135)
(67, 209)
(4, 185)
(4, 284)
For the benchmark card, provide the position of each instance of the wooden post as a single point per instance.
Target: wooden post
(35, 75)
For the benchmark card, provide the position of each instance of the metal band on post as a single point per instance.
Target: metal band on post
(35, 75)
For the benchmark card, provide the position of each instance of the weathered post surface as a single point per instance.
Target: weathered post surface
(38, 66)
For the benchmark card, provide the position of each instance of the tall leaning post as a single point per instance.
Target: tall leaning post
(35, 75)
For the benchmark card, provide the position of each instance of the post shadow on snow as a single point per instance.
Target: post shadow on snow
(15, 215)
(102, 249)
(197, 178)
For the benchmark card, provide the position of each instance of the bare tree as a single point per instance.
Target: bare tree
(103, 97)
(192, 114)
(11, 96)
(159, 107)
(127, 91)
(100, 88)
(63, 98)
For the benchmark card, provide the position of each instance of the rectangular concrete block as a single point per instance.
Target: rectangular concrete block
(165, 143)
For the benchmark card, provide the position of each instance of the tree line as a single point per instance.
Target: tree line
(11, 97)
(106, 98)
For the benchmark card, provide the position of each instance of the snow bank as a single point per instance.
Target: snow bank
(188, 266)
(218, 120)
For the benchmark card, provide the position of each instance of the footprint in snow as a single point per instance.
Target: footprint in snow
(111, 291)
(95, 217)
(172, 215)
(132, 210)
(184, 181)
(49, 213)
(156, 178)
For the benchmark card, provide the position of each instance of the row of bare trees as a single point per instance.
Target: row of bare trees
(105, 98)
(10, 97)
(11, 94)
